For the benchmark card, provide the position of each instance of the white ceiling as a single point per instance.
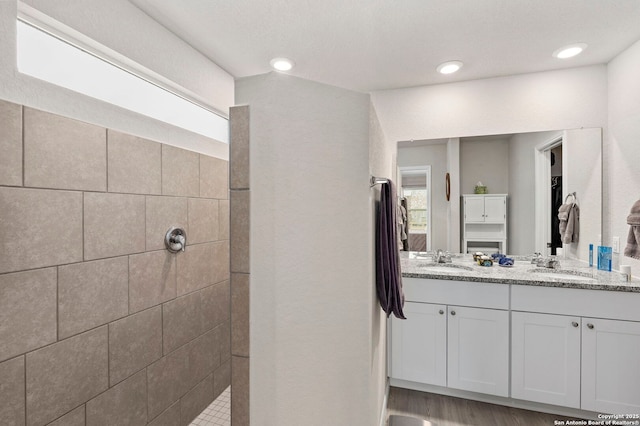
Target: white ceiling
(369, 45)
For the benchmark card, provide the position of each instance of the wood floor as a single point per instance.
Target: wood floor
(449, 411)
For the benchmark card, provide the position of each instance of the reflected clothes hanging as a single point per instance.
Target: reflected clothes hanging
(403, 224)
(388, 274)
(556, 202)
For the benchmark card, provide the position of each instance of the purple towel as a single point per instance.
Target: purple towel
(388, 274)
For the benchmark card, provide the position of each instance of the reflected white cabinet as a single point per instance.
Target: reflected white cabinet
(419, 344)
(484, 222)
(610, 366)
(545, 358)
(478, 350)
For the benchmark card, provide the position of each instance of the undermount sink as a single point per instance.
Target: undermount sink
(444, 267)
(564, 274)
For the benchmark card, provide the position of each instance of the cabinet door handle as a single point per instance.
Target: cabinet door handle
(575, 324)
(441, 312)
(590, 326)
(453, 312)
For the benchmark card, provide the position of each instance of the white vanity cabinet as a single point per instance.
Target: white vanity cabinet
(545, 364)
(478, 350)
(593, 366)
(610, 366)
(484, 223)
(419, 344)
(459, 339)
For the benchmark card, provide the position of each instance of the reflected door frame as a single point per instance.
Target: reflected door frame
(542, 154)
(427, 171)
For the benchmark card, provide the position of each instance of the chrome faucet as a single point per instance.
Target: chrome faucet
(442, 257)
(549, 262)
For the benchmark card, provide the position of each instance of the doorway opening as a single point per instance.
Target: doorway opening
(415, 197)
(548, 163)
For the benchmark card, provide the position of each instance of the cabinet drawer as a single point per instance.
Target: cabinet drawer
(462, 293)
(568, 301)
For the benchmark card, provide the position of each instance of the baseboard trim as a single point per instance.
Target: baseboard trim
(491, 399)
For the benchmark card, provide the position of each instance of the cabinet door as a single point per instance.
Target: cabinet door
(419, 344)
(545, 358)
(495, 209)
(478, 356)
(474, 209)
(610, 367)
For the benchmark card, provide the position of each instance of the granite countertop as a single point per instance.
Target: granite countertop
(571, 274)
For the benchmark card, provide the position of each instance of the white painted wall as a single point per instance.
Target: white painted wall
(622, 147)
(381, 161)
(436, 157)
(564, 99)
(122, 27)
(487, 161)
(311, 255)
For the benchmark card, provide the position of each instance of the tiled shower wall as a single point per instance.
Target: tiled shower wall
(240, 262)
(99, 324)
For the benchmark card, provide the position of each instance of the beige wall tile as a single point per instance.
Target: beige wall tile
(214, 177)
(195, 267)
(222, 378)
(162, 214)
(66, 374)
(240, 393)
(166, 381)
(135, 164)
(239, 147)
(114, 225)
(222, 341)
(169, 417)
(152, 279)
(10, 144)
(221, 261)
(240, 224)
(49, 226)
(180, 172)
(196, 400)
(73, 418)
(134, 343)
(123, 404)
(63, 153)
(240, 314)
(220, 303)
(12, 392)
(187, 317)
(173, 375)
(223, 214)
(91, 294)
(203, 220)
(27, 311)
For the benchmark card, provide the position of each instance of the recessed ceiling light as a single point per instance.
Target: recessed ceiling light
(282, 64)
(449, 67)
(569, 51)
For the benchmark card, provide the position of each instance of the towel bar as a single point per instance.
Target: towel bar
(376, 181)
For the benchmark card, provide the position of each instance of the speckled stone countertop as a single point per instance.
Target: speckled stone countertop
(570, 274)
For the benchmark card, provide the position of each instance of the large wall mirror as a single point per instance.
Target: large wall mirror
(536, 170)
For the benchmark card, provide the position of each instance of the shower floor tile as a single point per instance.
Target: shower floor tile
(218, 413)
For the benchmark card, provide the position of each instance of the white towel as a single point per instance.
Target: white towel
(633, 240)
(569, 216)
